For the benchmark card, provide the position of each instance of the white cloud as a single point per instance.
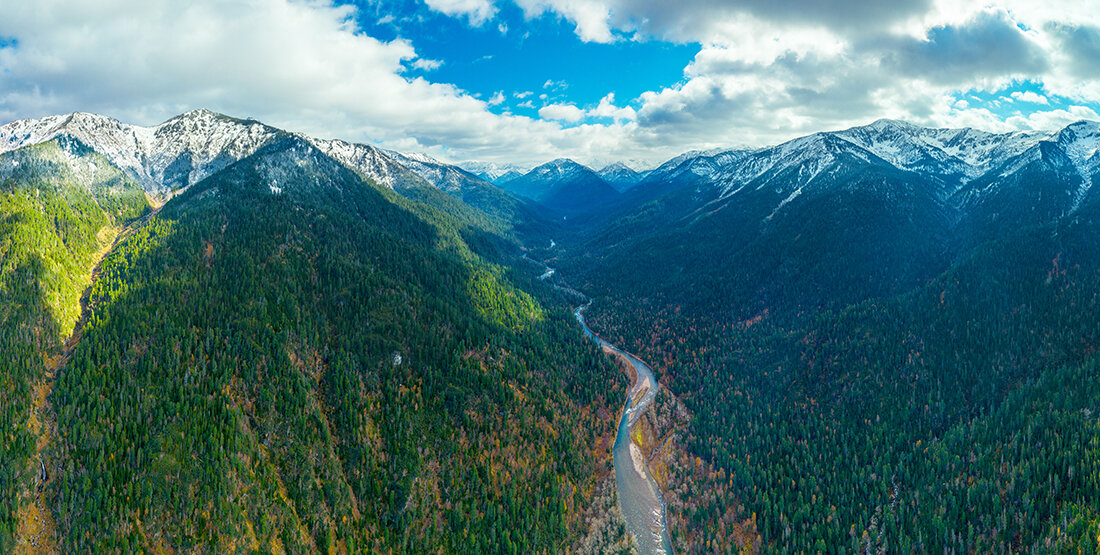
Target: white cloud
(1053, 119)
(765, 71)
(562, 112)
(590, 17)
(426, 64)
(608, 109)
(476, 11)
(707, 20)
(1028, 96)
(302, 66)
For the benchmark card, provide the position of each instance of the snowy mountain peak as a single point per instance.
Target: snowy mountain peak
(620, 176)
(617, 167)
(416, 156)
(493, 172)
(195, 144)
(176, 153)
(884, 124)
(1080, 140)
(199, 113)
(559, 167)
(563, 162)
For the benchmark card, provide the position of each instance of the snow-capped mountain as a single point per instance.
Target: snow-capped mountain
(620, 176)
(189, 147)
(966, 152)
(563, 185)
(690, 168)
(443, 176)
(861, 213)
(370, 162)
(493, 172)
(948, 159)
(174, 154)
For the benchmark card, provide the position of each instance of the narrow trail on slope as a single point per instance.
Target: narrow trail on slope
(37, 529)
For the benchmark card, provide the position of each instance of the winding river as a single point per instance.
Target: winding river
(640, 499)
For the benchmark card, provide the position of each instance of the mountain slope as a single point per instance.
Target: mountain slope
(187, 148)
(919, 417)
(349, 378)
(886, 206)
(169, 156)
(60, 207)
(491, 172)
(563, 186)
(885, 336)
(620, 176)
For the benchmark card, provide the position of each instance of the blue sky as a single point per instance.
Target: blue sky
(525, 81)
(524, 59)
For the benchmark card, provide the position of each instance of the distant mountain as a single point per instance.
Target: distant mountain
(620, 176)
(868, 210)
(563, 186)
(492, 172)
(443, 176)
(507, 176)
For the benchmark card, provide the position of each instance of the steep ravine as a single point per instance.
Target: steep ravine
(36, 532)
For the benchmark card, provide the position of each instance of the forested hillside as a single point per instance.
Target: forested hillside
(960, 414)
(61, 205)
(287, 357)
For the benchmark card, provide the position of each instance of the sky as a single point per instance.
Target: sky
(526, 81)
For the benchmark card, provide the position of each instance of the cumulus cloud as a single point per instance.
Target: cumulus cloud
(562, 112)
(1029, 96)
(766, 71)
(706, 20)
(1053, 119)
(1081, 44)
(988, 45)
(607, 109)
(770, 70)
(302, 66)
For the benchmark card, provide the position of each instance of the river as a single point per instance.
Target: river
(640, 499)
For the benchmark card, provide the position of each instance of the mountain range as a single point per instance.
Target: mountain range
(223, 336)
(862, 324)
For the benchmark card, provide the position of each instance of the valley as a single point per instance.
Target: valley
(220, 336)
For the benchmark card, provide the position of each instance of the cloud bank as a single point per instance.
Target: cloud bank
(766, 71)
